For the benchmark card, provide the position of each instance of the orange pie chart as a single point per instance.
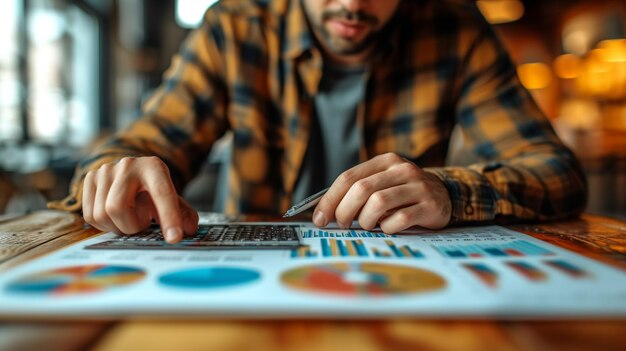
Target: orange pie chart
(362, 279)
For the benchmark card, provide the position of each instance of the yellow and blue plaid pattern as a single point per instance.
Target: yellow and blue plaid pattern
(253, 68)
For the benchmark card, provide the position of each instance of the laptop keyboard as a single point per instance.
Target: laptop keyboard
(212, 236)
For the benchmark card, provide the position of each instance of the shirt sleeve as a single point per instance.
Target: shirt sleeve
(180, 121)
(524, 170)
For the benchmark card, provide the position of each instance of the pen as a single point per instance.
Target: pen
(305, 204)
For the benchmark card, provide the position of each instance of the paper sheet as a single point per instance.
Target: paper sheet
(479, 271)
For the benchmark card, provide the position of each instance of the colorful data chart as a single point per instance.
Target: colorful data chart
(339, 248)
(397, 251)
(486, 275)
(527, 270)
(311, 233)
(567, 268)
(362, 279)
(209, 277)
(356, 248)
(518, 248)
(303, 251)
(76, 280)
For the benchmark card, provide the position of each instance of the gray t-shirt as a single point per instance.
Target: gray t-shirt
(335, 137)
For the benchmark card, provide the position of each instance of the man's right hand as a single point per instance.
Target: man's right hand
(124, 197)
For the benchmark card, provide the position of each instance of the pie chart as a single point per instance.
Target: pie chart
(76, 280)
(209, 277)
(362, 279)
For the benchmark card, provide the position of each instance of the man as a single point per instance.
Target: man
(361, 94)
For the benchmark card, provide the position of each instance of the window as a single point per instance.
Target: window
(10, 86)
(49, 72)
(189, 12)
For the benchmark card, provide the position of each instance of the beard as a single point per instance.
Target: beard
(345, 46)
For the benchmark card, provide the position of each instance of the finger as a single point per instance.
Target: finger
(89, 199)
(190, 217)
(403, 218)
(325, 209)
(361, 192)
(144, 205)
(381, 202)
(158, 184)
(122, 208)
(89, 195)
(103, 185)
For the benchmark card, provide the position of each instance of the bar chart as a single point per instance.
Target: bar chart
(568, 268)
(356, 248)
(484, 273)
(311, 233)
(518, 248)
(403, 251)
(304, 251)
(527, 270)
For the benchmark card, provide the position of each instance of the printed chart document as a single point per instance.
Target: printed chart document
(480, 271)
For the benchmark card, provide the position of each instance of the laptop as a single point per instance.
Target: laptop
(215, 231)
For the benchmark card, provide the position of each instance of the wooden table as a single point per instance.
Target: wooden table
(26, 237)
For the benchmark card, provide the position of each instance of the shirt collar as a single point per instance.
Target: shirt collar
(299, 38)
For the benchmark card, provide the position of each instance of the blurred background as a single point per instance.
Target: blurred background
(74, 71)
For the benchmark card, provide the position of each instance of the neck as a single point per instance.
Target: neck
(359, 59)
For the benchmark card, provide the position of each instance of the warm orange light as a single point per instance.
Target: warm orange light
(535, 75)
(580, 114)
(501, 11)
(603, 71)
(577, 41)
(597, 62)
(595, 77)
(567, 66)
(614, 50)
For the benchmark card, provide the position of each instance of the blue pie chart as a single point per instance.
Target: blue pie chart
(76, 280)
(209, 277)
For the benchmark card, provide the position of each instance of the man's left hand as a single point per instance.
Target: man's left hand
(389, 191)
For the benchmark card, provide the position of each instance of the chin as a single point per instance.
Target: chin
(343, 47)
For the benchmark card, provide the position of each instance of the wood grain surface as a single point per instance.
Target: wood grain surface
(602, 238)
(596, 237)
(307, 336)
(21, 234)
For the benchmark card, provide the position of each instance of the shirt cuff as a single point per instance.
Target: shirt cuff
(472, 196)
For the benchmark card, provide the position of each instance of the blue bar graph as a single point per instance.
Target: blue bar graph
(342, 248)
(360, 248)
(455, 253)
(356, 248)
(325, 247)
(303, 251)
(312, 233)
(518, 248)
(495, 252)
(394, 249)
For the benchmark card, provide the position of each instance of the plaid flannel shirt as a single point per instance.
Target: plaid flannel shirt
(253, 68)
